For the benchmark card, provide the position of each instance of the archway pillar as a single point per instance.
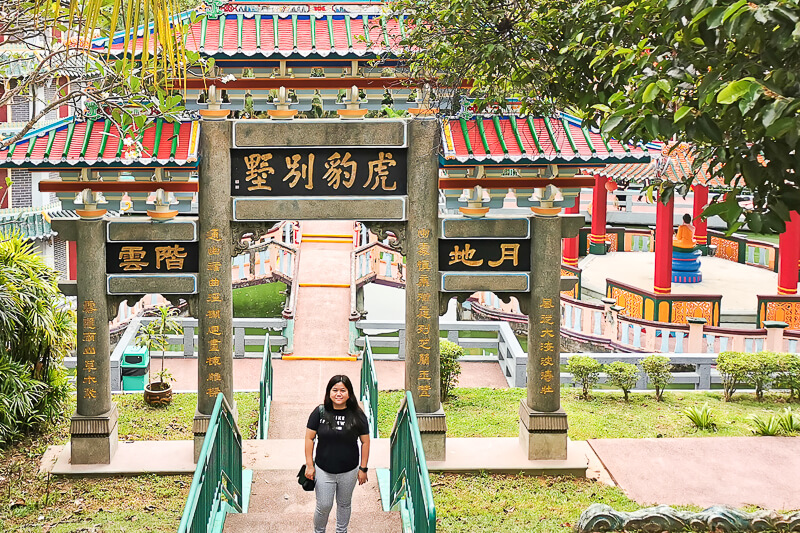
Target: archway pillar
(423, 286)
(93, 427)
(215, 292)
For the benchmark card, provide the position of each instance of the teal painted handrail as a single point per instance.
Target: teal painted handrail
(218, 474)
(265, 390)
(369, 388)
(408, 478)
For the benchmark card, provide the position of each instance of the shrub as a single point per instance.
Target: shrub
(766, 428)
(733, 370)
(788, 368)
(449, 367)
(21, 399)
(789, 421)
(759, 369)
(701, 417)
(658, 370)
(623, 375)
(585, 371)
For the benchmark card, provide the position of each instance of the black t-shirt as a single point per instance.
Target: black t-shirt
(337, 449)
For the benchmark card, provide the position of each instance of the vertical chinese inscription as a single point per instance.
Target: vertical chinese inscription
(424, 297)
(213, 315)
(88, 369)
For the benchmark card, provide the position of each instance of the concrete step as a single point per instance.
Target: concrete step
(271, 522)
(277, 503)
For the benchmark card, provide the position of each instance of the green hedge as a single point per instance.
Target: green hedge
(760, 371)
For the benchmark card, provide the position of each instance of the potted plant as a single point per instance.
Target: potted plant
(155, 336)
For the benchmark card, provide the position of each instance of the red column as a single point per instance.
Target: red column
(700, 226)
(72, 262)
(569, 247)
(597, 238)
(789, 253)
(662, 283)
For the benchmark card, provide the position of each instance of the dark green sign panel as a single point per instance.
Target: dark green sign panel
(484, 255)
(152, 257)
(318, 172)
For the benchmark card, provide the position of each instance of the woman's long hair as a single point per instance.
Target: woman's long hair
(353, 409)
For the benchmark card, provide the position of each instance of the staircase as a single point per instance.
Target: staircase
(322, 315)
(321, 343)
(278, 504)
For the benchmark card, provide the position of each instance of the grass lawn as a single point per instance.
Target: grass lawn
(484, 412)
(517, 504)
(259, 301)
(35, 502)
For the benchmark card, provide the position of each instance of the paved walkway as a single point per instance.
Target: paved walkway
(738, 284)
(735, 471)
(323, 300)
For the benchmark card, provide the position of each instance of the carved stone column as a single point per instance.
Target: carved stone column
(215, 292)
(422, 286)
(93, 427)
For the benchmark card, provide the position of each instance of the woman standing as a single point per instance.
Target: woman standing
(338, 424)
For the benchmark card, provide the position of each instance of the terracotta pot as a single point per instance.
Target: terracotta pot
(158, 393)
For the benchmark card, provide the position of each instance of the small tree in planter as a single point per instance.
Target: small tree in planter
(155, 336)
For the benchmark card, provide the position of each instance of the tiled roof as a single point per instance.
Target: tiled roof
(100, 143)
(675, 165)
(284, 35)
(31, 226)
(560, 139)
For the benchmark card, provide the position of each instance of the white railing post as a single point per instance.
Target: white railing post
(610, 318)
(775, 329)
(695, 343)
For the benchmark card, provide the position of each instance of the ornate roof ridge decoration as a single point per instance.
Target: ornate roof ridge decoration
(247, 34)
(521, 139)
(676, 165)
(101, 143)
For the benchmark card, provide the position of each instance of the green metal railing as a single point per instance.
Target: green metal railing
(408, 478)
(265, 390)
(369, 388)
(218, 477)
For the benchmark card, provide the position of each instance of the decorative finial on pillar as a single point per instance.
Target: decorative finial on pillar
(352, 104)
(90, 200)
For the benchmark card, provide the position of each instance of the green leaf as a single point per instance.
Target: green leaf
(731, 11)
(734, 91)
(714, 19)
(682, 112)
(650, 93)
(781, 127)
(773, 112)
(664, 86)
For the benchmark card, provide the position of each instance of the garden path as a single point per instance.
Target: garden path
(734, 471)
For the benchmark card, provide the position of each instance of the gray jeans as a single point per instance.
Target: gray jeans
(327, 486)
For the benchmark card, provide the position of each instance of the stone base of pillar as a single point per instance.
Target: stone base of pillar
(543, 435)
(199, 428)
(597, 248)
(432, 429)
(94, 439)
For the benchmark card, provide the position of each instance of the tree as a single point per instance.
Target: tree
(56, 45)
(719, 75)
